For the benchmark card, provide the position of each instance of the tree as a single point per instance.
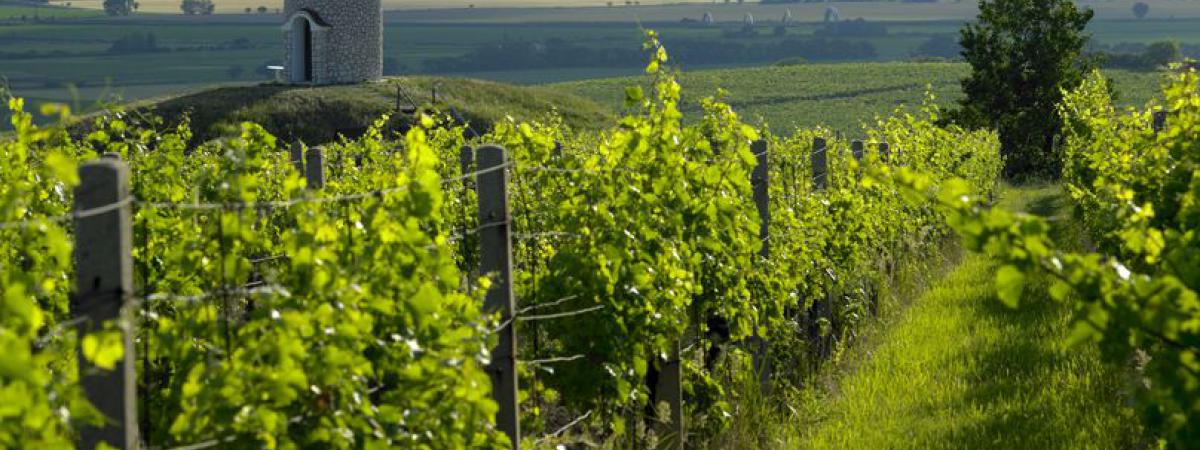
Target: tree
(1023, 54)
(197, 7)
(1140, 10)
(1161, 54)
(118, 7)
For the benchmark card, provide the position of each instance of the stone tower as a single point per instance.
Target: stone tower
(332, 41)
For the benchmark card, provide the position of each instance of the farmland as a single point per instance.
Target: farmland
(76, 61)
(669, 10)
(841, 96)
(72, 55)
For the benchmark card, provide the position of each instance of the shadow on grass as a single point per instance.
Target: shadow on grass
(1025, 390)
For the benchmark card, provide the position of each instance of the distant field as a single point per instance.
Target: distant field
(48, 56)
(45, 51)
(840, 96)
(673, 10)
(13, 11)
(227, 6)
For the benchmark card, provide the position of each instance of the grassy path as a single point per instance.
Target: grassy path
(957, 369)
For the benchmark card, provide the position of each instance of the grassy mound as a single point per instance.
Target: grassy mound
(321, 114)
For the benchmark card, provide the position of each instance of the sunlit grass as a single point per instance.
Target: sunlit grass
(957, 369)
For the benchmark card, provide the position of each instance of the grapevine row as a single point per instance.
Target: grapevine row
(273, 314)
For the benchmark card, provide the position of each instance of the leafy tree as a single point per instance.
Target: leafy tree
(197, 7)
(1141, 9)
(1162, 53)
(1023, 54)
(118, 7)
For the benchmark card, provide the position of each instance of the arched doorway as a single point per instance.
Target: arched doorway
(302, 49)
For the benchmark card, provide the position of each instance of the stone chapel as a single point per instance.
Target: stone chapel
(332, 41)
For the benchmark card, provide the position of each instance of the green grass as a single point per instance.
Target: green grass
(841, 96)
(956, 369)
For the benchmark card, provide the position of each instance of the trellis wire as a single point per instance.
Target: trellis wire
(68, 216)
(262, 289)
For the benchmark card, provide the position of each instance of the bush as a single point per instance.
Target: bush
(197, 7)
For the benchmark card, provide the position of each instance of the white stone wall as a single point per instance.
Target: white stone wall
(350, 49)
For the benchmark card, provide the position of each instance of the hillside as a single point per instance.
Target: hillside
(319, 114)
(840, 96)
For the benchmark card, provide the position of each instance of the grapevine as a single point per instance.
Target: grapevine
(276, 314)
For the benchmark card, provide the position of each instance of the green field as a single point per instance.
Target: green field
(840, 96)
(65, 54)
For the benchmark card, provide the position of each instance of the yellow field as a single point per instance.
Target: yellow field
(652, 9)
(237, 6)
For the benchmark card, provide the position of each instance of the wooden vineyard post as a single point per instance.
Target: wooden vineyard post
(495, 240)
(858, 149)
(820, 164)
(103, 294)
(315, 168)
(1160, 121)
(885, 152)
(761, 181)
(296, 153)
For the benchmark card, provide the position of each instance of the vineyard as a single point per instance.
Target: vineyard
(532, 287)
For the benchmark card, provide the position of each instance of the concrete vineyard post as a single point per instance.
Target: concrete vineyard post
(1160, 121)
(466, 159)
(761, 181)
(669, 390)
(858, 148)
(820, 164)
(103, 294)
(296, 152)
(495, 240)
(315, 168)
